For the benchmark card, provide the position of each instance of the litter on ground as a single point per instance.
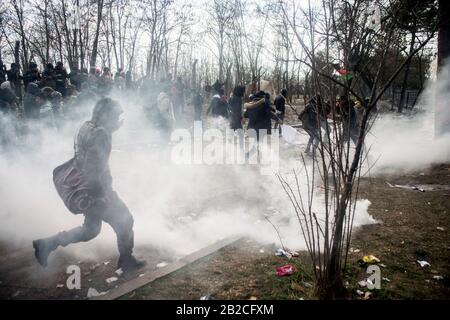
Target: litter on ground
(370, 259)
(286, 270)
(281, 252)
(423, 263)
(161, 265)
(112, 279)
(92, 292)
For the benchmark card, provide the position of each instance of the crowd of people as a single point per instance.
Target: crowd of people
(53, 96)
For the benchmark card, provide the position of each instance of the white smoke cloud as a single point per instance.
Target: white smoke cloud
(405, 143)
(182, 208)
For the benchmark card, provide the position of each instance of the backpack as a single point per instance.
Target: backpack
(68, 180)
(77, 195)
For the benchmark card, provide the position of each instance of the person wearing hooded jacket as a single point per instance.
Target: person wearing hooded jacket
(218, 106)
(61, 77)
(235, 111)
(32, 75)
(32, 101)
(48, 77)
(260, 114)
(166, 113)
(8, 100)
(93, 148)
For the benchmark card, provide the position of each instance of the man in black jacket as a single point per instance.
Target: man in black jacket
(32, 75)
(235, 104)
(260, 114)
(218, 107)
(32, 101)
(15, 78)
(93, 148)
(61, 77)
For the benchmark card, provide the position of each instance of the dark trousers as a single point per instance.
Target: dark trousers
(114, 212)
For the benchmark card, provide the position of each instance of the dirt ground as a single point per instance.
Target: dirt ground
(413, 225)
(21, 277)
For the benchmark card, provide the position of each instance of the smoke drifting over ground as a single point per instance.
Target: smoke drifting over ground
(404, 143)
(182, 208)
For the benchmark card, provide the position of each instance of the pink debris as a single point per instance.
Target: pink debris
(286, 270)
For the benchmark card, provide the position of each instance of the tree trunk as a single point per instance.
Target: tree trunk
(444, 32)
(97, 32)
(407, 68)
(442, 119)
(194, 74)
(17, 61)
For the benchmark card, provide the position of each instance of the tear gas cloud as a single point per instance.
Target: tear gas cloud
(182, 208)
(404, 143)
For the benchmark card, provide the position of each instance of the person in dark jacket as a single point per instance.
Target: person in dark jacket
(259, 113)
(48, 77)
(260, 116)
(93, 148)
(197, 101)
(2, 72)
(32, 101)
(15, 78)
(8, 100)
(77, 78)
(280, 104)
(61, 77)
(235, 105)
(349, 122)
(311, 124)
(32, 75)
(218, 106)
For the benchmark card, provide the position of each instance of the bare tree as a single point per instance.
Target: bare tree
(337, 166)
(94, 52)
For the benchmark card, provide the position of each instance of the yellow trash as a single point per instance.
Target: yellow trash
(370, 259)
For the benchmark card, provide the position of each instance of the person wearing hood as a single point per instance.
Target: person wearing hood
(46, 113)
(48, 77)
(2, 72)
(61, 77)
(235, 104)
(165, 113)
(218, 106)
(92, 151)
(56, 99)
(32, 101)
(8, 100)
(311, 123)
(105, 82)
(260, 114)
(280, 104)
(32, 75)
(15, 78)
(76, 78)
(8, 111)
(349, 119)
